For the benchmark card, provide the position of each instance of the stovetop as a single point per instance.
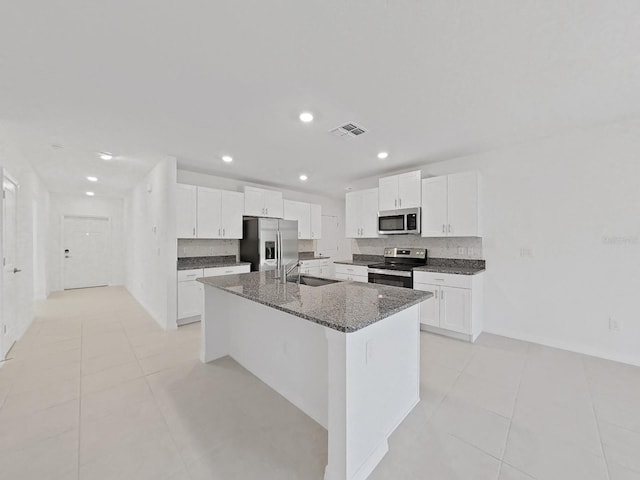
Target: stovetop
(405, 267)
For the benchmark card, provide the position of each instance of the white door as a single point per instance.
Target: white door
(11, 269)
(209, 213)
(328, 244)
(232, 210)
(434, 207)
(388, 193)
(316, 221)
(86, 246)
(409, 189)
(462, 190)
(186, 211)
(370, 213)
(429, 309)
(455, 309)
(353, 214)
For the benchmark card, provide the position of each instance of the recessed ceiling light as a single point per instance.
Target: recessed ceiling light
(92, 179)
(383, 155)
(306, 117)
(227, 158)
(90, 194)
(304, 178)
(106, 155)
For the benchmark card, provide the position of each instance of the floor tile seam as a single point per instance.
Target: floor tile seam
(518, 469)
(513, 409)
(80, 407)
(161, 411)
(43, 439)
(595, 417)
(445, 396)
(475, 447)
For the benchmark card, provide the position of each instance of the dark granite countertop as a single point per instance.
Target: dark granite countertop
(343, 306)
(452, 270)
(360, 263)
(311, 256)
(456, 266)
(189, 263)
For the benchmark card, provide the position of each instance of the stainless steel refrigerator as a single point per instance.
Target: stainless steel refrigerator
(269, 243)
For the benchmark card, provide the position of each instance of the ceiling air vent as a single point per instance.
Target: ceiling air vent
(348, 130)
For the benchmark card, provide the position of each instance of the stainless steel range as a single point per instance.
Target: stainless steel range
(397, 269)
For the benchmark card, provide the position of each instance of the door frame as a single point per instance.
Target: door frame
(61, 257)
(4, 173)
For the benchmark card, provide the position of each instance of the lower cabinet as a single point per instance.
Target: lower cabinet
(190, 291)
(456, 306)
(315, 267)
(352, 273)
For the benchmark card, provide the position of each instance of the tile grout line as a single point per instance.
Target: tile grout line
(80, 400)
(595, 417)
(155, 401)
(513, 411)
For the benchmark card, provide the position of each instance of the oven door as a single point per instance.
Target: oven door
(392, 278)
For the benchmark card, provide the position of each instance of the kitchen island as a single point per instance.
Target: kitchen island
(347, 354)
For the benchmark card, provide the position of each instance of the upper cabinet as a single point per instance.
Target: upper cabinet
(450, 206)
(399, 191)
(262, 203)
(308, 217)
(208, 213)
(186, 214)
(361, 215)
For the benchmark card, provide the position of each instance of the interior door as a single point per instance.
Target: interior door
(434, 207)
(11, 269)
(209, 213)
(328, 244)
(86, 252)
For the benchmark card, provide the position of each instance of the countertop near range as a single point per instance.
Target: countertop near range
(362, 260)
(343, 306)
(449, 270)
(311, 256)
(453, 266)
(360, 263)
(189, 263)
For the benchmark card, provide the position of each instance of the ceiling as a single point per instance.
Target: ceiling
(429, 79)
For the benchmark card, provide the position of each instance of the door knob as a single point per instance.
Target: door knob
(16, 270)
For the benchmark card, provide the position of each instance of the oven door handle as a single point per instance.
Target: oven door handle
(390, 273)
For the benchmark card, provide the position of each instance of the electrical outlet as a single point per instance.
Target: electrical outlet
(526, 252)
(614, 325)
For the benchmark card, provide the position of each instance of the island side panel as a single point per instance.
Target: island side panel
(374, 382)
(286, 352)
(217, 315)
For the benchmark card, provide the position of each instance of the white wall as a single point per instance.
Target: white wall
(330, 206)
(151, 246)
(574, 201)
(81, 205)
(32, 215)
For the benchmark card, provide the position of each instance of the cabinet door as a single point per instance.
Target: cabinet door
(409, 189)
(186, 215)
(190, 298)
(300, 212)
(434, 207)
(388, 193)
(273, 204)
(463, 204)
(369, 219)
(254, 202)
(455, 309)
(316, 221)
(209, 213)
(232, 210)
(353, 214)
(429, 309)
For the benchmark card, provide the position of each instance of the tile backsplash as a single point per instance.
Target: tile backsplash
(451, 247)
(197, 247)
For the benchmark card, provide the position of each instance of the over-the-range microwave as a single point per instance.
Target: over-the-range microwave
(398, 222)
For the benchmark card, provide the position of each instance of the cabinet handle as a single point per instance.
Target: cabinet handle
(395, 202)
(194, 231)
(400, 201)
(449, 228)
(224, 234)
(218, 232)
(439, 279)
(267, 210)
(444, 230)
(435, 294)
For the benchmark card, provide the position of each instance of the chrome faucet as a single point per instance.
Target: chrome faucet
(287, 269)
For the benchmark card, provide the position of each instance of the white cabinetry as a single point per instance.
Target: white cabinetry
(316, 221)
(354, 273)
(208, 213)
(308, 216)
(399, 191)
(456, 306)
(186, 215)
(450, 206)
(317, 267)
(190, 291)
(361, 215)
(262, 203)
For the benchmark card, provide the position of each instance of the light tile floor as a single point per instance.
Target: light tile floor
(96, 390)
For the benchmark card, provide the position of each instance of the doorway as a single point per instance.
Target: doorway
(328, 244)
(9, 321)
(86, 252)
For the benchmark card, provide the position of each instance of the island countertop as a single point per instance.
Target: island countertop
(343, 306)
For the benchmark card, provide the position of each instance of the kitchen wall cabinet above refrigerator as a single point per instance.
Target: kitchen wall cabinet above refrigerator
(259, 202)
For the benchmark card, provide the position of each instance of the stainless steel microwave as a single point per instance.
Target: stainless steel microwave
(399, 222)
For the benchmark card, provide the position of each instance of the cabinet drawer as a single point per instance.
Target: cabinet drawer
(189, 275)
(218, 271)
(445, 279)
(351, 270)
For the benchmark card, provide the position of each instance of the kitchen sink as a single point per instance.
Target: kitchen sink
(312, 281)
